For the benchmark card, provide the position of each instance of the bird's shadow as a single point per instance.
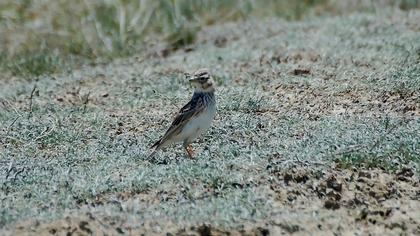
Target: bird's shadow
(165, 160)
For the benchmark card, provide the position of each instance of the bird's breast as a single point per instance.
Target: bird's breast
(200, 123)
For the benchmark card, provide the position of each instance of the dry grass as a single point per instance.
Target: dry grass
(45, 37)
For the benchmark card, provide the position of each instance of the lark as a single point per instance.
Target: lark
(195, 117)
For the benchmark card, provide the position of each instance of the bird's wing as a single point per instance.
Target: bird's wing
(191, 109)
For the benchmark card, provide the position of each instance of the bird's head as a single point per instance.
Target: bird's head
(202, 81)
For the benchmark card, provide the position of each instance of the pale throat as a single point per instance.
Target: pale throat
(204, 88)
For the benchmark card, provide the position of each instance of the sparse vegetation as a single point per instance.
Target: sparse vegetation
(317, 128)
(50, 34)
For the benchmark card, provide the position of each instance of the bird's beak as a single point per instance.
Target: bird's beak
(193, 80)
(190, 78)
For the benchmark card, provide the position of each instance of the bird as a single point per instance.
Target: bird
(195, 117)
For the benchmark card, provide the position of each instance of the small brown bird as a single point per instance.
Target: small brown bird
(195, 117)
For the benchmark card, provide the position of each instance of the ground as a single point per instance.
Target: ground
(317, 132)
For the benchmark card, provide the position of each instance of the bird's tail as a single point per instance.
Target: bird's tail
(156, 145)
(156, 148)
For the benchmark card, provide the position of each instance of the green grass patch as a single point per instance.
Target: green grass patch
(35, 63)
(392, 161)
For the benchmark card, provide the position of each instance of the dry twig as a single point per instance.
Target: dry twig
(30, 101)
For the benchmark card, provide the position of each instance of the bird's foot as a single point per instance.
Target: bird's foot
(190, 151)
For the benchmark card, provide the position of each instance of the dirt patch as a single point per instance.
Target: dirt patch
(370, 201)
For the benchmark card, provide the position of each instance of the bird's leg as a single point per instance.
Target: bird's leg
(189, 150)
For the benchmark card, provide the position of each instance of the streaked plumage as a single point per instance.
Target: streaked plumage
(195, 117)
